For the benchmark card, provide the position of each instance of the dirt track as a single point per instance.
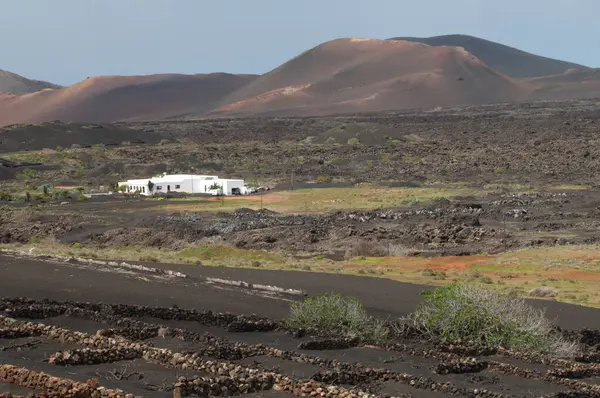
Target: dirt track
(382, 297)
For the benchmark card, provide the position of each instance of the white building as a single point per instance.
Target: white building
(188, 183)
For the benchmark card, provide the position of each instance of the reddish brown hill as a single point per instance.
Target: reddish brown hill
(350, 75)
(504, 59)
(111, 98)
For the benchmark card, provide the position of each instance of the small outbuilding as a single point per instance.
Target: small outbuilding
(185, 183)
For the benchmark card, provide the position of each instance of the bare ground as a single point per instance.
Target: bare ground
(414, 371)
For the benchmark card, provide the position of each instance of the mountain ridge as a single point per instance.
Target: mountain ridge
(345, 75)
(12, 83)
(505, 59)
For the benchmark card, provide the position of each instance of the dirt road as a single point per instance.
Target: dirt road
(39, 279)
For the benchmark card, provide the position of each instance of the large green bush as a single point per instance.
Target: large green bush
(338, 316)
(469, 312)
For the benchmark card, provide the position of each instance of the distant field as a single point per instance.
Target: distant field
(362, 197)
(328, 199)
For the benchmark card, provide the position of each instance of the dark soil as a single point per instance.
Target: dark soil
(526, 143)
(385, 373)
(50, 135)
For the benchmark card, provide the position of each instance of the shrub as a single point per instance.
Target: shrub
(353, 141)
(335, 315)
(337, 160)
(82, 197)
(62, 194)
(323, 179)
(77, 245)
(5, 197)
(466, 312)
(438, 275)
(545, 291)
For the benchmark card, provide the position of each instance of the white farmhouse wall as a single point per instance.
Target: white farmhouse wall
(229, 185)
(194, 184)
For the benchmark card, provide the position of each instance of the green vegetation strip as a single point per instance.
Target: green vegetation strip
(458, 313)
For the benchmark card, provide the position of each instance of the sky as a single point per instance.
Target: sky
(66, 41)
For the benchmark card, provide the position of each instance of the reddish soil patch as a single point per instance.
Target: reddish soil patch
(440, 263)
(455, 262)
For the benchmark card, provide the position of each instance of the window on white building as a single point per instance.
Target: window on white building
(177, 186)
(159, 188)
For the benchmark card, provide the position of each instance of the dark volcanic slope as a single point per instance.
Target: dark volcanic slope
(111, 98)
(574, 83)
(349, 75)
(504, 59)
(11, 83)
(25, 137)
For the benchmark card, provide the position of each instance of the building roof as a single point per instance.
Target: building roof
(181, 177)
(174, 178)
(170, 178)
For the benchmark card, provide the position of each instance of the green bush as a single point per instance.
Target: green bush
(471, 312)
(323, 179)
(353, 141)
(164, 141)
(335, 315)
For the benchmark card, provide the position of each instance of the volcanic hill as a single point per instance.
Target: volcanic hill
(112, 98)
(504, 59)
(352, 75)
(11, 83)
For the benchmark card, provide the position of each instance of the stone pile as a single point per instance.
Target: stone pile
(115, 344)
(69, 336)
(86, 356)
(459, 366)
(55, 387)
(35, 309)
(131, 333)
(328, 344)
(159, 272)
(11, 333)
(223, 386)
(583, 389)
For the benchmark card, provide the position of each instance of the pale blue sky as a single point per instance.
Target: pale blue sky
(65, 41)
